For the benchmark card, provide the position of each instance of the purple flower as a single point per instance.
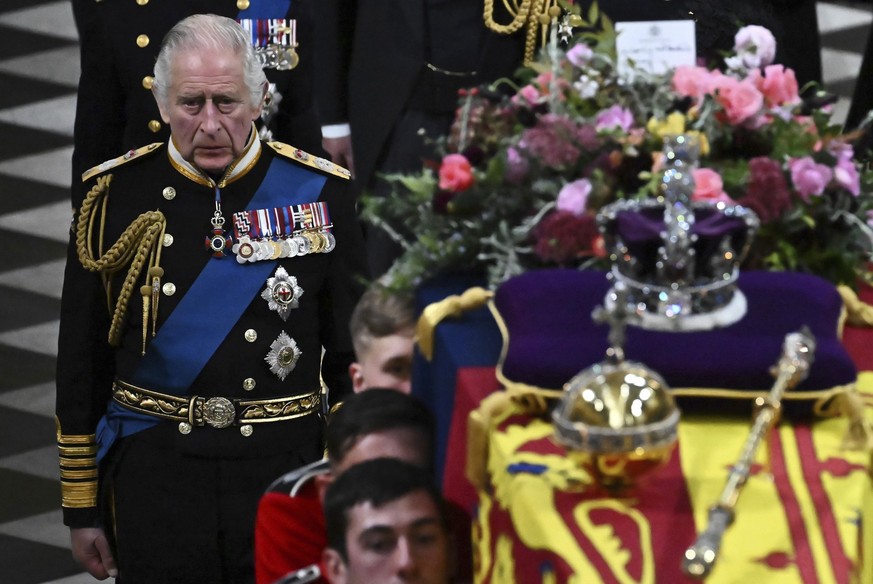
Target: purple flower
(516, 166)
(557, 141)
(846, 175)
(580, 55)
(573, 197)
(809, 177)
(841, 150)
(615, 117)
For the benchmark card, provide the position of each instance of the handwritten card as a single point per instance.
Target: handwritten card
(655, 46)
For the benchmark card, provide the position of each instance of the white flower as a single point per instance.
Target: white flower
(586, 86)
(755, 46)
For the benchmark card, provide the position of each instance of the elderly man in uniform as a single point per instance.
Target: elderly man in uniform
(206, 276)
(119, 41)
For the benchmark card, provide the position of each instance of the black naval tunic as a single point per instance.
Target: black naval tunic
(119, 42)
(166, 494)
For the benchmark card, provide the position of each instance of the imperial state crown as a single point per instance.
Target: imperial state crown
(679, 260)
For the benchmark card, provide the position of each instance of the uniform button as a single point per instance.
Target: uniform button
(168, 240)
(251, 335)
(148, 81)
(169, 193)
(142, 41)
(248, 384)
(242, 4)
(169, 288)
(155, 126)
(184, 428)
(246, 430)
(142, 2)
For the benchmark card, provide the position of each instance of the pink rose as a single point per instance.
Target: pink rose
(573, 197)
(580, 55)
(694, 82)
(708, 186)
(616, 117)
(527, 95)
(809, 177)
(778, 84)
(455, 173)
(741, 100)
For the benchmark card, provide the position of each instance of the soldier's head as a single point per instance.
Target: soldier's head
(386, 523)
(209, 88)
(380, 422)
(382, 328)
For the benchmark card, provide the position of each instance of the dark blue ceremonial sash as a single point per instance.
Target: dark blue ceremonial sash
(266, 9)
(172, 362)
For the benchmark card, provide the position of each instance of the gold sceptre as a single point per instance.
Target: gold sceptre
(797, 354)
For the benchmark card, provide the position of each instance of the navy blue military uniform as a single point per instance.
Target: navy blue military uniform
(180, 482)
(120, 40)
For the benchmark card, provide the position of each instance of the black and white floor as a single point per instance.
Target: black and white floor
(39, 67)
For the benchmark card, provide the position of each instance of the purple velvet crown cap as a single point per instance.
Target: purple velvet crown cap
(641, 231)
(552, 337)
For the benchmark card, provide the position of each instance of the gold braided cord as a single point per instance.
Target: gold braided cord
(520, 16)
(534, 15)
(136, 246)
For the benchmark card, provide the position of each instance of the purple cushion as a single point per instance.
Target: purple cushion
(552, 336)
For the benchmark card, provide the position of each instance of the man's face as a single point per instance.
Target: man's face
(387, 364)
(402, 541)
(406, 444)
(208, 108)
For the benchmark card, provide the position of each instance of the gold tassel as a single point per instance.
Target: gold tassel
(156, 273)
(450, 306)
(859, 313)
(146, 292)
(859, 435)
(479, 424)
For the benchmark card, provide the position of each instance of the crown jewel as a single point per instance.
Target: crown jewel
(678, 259)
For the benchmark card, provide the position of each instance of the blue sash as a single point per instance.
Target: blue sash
(172, 362)
(266, 9)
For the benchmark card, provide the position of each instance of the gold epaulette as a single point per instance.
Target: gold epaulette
(78, 463)
(126, 157)
(298, 155)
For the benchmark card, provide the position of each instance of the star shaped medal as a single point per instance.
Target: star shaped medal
(282, 293)
(283, 356)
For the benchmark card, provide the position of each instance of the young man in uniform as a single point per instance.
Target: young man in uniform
(290, 533)
(386, 523)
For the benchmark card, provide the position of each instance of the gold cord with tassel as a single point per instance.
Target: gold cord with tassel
(534, 15)
(140, 242)
(450, 306)
(858, 312)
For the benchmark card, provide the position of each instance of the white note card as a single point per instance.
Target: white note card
(655, 46)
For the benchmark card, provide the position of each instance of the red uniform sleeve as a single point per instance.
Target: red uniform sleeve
(289, 535)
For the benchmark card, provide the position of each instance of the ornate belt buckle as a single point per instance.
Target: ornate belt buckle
(219, 412)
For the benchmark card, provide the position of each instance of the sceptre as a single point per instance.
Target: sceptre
(797, 355)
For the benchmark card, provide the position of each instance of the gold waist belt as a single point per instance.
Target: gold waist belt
(218, 412)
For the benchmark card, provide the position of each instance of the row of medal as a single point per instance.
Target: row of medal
(275, 41)
(282, 232)
(304, 243)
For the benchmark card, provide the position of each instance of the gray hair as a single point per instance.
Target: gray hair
(202, 31)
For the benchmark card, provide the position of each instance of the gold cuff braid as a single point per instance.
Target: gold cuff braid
(78, 470)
